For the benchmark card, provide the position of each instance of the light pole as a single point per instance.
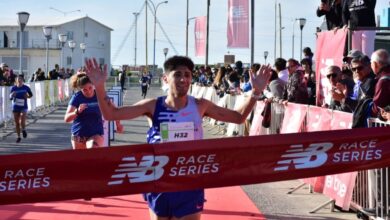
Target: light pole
(62, 38)
(155, 7)
(47, 32)
(293, 37)
(83, 46)
(72, 45)
(302, 22)
(265, 57)
(22, 21)
(135, 38)
(165, 50)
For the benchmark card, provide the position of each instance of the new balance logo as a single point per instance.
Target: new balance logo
(150, 168)
(313, 156)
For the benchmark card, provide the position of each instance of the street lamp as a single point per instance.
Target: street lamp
(83, 46)
(47, 32)
(72, 45)
(135, 38)
(265, 57)
(165, 50)
(302, 22)
(154, 38)
(62, 38)
(22, 21)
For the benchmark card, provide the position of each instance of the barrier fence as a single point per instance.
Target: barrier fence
(45, 94)
(348, 190)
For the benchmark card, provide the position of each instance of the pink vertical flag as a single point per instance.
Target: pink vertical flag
(238, 24)
(200, 36)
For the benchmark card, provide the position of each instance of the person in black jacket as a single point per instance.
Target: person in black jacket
(332, 9)
(360, 13)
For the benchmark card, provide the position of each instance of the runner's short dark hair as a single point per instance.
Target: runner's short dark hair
(176, 61)
(280, 64)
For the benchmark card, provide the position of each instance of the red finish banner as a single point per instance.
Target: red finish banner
(329, 51)
(73, 174)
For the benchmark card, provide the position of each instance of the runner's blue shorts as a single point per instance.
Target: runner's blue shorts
(176, 204)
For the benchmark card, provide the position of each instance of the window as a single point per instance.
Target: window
(25, 39)
(68, 61)
(70, 35)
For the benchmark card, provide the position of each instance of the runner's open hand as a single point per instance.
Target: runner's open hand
(259, 80)
(95, 73)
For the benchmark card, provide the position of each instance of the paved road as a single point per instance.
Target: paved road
(48, 132)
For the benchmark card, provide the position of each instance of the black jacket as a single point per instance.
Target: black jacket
(333, 16)
(361, 13)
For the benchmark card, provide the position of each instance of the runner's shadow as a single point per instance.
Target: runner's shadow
(230, 213)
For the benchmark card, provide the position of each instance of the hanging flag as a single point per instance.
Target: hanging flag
(238, 24)
(200, 36)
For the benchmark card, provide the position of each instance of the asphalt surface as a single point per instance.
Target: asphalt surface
(48, 132)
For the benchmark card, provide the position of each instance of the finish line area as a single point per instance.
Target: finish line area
(222, 203)
(222, 208)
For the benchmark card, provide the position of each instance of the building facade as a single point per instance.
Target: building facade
(95, 35)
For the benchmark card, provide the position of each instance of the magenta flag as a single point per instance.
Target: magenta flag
(200, 36)
(238, 24)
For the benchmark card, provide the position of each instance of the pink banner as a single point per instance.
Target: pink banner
(340, 187)
(293, 118)
(319, 119)
(200, 36)
(257, 119)
(330, 48)
(238, 24)
(341, 120)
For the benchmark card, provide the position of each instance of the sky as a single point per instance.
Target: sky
(118, 14)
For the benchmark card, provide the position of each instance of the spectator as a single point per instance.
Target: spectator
(122, 78)
(220, 84)
(339, 98)
(308, 54)
(380, 65)
(280, 66)
(332, 9)
(296, 89)
(360, 14)
(54, 73)
(8, 76)
(310, 80)
(361, 66)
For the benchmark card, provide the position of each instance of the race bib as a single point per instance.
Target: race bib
(19, 102)
(177, 131)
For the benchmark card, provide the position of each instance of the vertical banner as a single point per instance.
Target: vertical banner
(200, 36)
(238, 24)
(330, 49)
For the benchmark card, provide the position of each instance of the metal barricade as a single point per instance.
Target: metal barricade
(370, 195)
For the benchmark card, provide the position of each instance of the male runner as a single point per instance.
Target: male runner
(183, 110)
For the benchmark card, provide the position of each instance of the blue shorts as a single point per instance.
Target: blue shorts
(176, 204)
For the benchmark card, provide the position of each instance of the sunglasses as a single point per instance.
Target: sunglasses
(331, 75)
(358, 68)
